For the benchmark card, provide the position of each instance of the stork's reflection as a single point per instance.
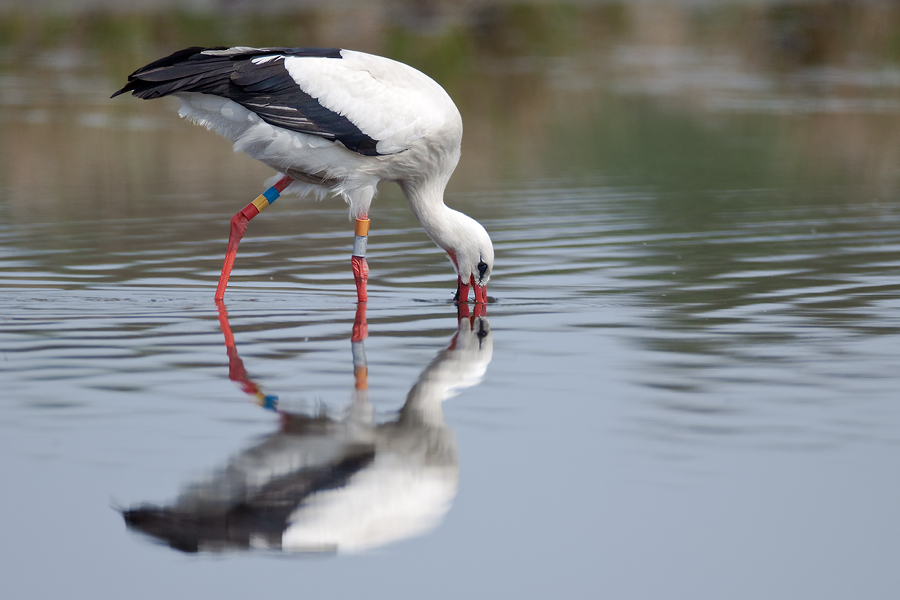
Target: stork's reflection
(333, 484)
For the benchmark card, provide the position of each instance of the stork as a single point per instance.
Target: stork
(331, 121)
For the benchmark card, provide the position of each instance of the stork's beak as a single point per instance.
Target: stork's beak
(462, 293)
(480, 293)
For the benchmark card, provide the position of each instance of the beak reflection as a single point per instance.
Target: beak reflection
(331, 484)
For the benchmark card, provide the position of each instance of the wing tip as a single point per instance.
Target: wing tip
(122, 91)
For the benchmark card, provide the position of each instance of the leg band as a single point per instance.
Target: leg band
(358, 259)
(360, 242)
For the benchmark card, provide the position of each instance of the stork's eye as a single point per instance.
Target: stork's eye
(482, 267)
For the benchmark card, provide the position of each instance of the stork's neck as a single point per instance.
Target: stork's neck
(440, 222)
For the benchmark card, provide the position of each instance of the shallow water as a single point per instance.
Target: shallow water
(685, 385)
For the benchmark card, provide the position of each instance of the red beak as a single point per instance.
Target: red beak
(462, 294)
(480, 292)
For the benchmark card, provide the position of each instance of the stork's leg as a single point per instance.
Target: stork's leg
(358, 260)
(239, 225)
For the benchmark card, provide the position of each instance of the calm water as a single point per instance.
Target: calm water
(685, 387)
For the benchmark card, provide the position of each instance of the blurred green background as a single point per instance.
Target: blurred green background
(682, 95)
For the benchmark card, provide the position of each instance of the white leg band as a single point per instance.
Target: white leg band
(359, 245)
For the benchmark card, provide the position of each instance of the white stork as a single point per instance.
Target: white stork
(334, 121)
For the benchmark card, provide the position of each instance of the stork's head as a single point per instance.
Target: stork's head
(473, 258)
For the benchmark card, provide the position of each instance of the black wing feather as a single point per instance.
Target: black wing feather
(266, 88)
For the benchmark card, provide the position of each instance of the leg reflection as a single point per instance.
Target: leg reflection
(236, 371)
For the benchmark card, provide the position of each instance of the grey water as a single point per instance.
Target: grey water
(685, 384)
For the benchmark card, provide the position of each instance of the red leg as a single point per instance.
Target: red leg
(239, 225)
(361, 275)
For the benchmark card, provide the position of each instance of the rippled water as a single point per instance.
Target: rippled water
(710, 401)
(686, 383)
